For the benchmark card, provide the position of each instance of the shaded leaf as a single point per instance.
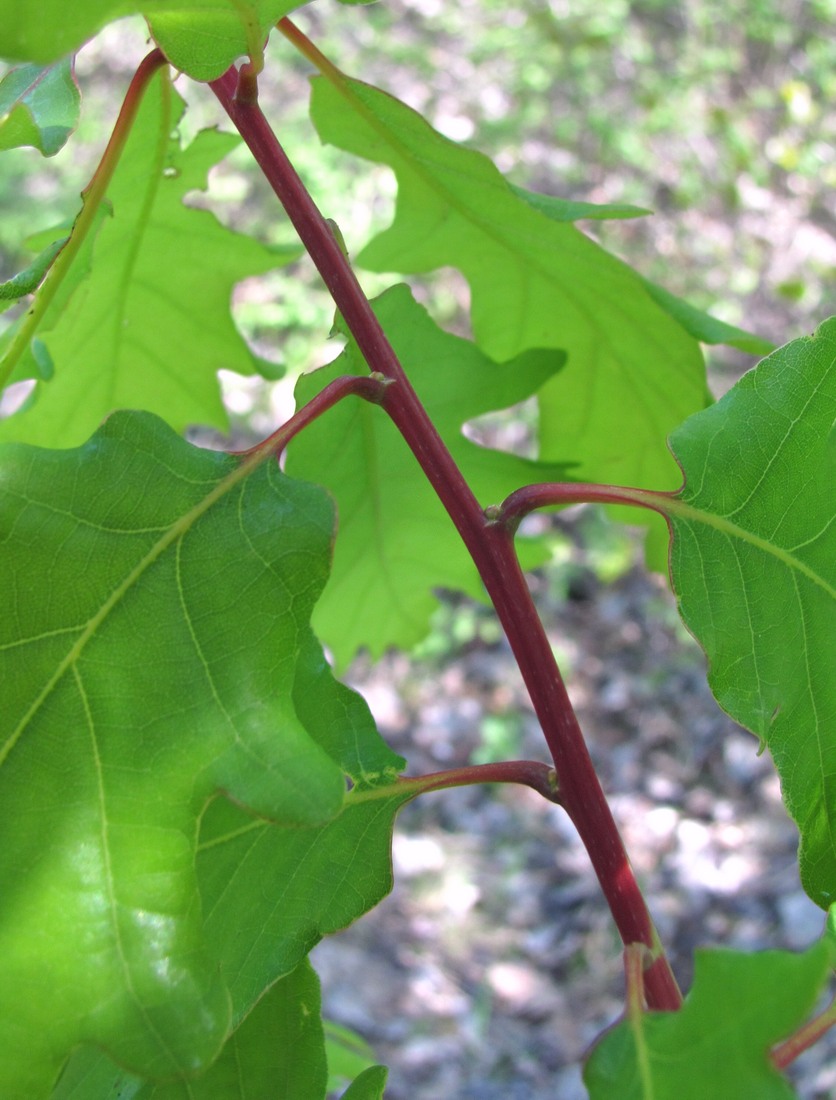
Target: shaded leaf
(718, 1044)
(396, 543)
(129, 335)
(39, 106)
(149, 647)
(753, 563)
(632, 373)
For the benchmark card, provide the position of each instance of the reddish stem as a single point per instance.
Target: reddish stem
(806, 1036)
(490, 545)
(531, 497)
(529, 773)
(367, 386)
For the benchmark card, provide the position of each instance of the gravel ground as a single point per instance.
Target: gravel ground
(493, 965)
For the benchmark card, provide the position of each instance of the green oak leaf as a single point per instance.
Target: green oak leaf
(39, 106)
(278, 1051)
(753, 563)
(396, 543)
(702, 326)
(271, 893)
(633, 372)
(150, 325)
(153, 627)
(201, 37)
(718, 1044)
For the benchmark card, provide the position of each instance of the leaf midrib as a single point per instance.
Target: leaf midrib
(170, 536)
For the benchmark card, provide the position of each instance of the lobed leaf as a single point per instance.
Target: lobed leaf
(153, 638)
(633, 372)
(145, 321)
(753, 563)
(39, 106)
(719, 1043)
(396, 544)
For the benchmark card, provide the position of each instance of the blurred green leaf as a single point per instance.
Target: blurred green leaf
(705, 328)
(718, 1044)
(396, 543)
(566, 210)
(633, 373)
(127, 335)
(200, 37)
(753, 563)
(369, 1085)
(39, 106)
(348, 1054)
(151, 643)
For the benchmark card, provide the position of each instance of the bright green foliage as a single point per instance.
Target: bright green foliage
(535, 283)
(38, 106)
(754, 567)
(200, 37)
(396, 543)
(152, 642)
(718, 1044)
(127, 337)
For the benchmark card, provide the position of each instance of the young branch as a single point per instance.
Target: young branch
(490, 545)
(370, 387)
(523, 501)
(808, 1035)
(528, 773)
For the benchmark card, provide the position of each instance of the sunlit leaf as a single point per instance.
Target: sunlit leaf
(130, 334)
(753, 563)
(633, 372)
(396, 544)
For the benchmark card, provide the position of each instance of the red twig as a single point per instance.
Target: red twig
(490, 545)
